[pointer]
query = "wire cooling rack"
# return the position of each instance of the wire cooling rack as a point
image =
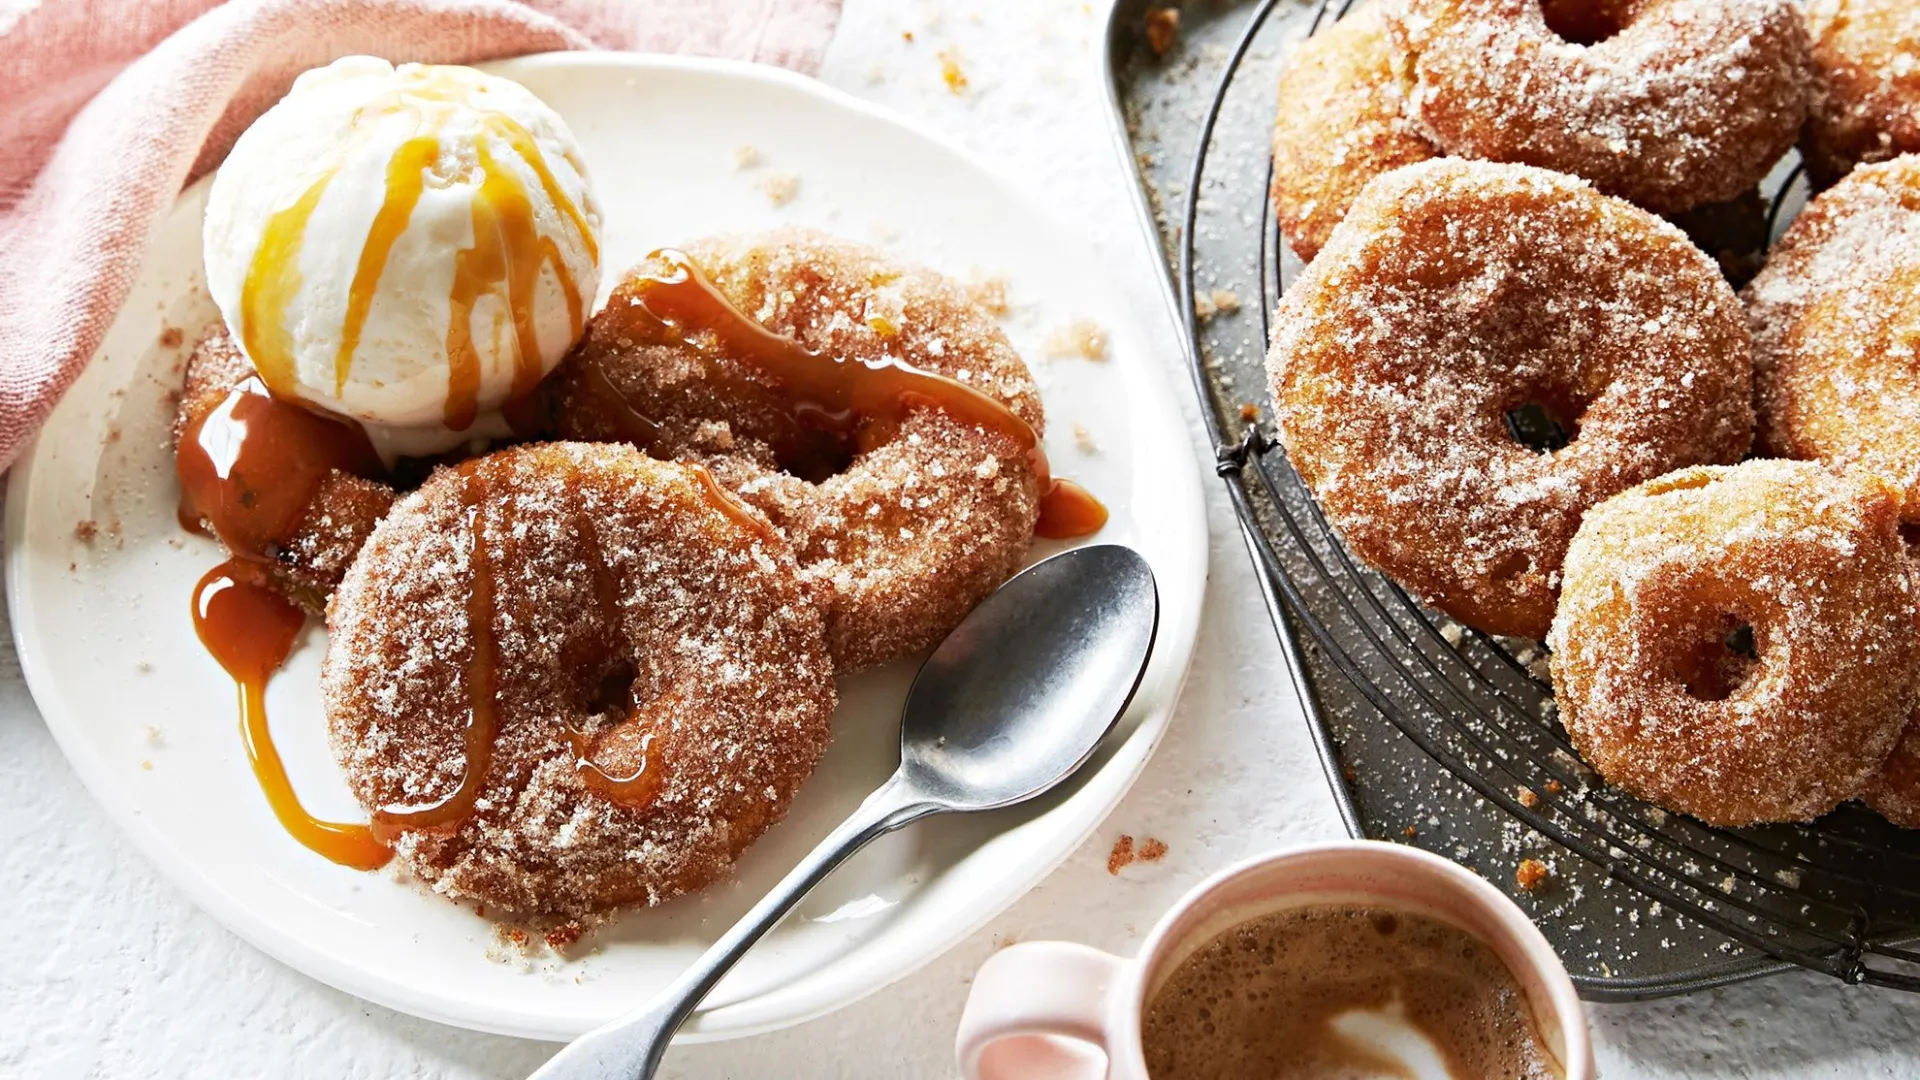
(1432, 733)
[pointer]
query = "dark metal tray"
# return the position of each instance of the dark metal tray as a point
(1430, 733)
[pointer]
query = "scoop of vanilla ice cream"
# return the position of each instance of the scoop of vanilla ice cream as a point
(407, 246)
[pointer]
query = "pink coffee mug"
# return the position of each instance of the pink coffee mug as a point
(1055, 1009)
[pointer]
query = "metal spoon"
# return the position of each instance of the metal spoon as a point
(1009, 705)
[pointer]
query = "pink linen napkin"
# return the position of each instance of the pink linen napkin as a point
(109, 107)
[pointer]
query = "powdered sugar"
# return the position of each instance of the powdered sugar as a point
(1456, 291)
(703, 658)
(1656, 580)
(1689, 102)
(917, 528)
(1837, 362)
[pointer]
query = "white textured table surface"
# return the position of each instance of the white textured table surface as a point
(106, 971)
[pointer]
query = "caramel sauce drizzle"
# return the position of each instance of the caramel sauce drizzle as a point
(406, 180)
(1068, 511)
(249, 628)
(730, 505)
(508, 253)
(250, 467)
(855, 400)
(273, 279)
(483, 686)
(640, 787)
(505, 262)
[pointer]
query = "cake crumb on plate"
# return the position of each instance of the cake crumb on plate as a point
(1081, 337)
(950, 72)
(780, 187)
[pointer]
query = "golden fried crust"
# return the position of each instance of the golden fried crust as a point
(1894, 791)
(1657, 579)
(1836, 329)
(1689, 102)
(1865, 100)
(343, 512)
(1341, 122)
(917, 530)
(698, 634)
(1456, 291)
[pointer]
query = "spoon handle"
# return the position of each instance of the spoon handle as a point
(630, 1047)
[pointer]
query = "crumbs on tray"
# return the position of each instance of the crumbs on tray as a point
(1215, 302)
(1163, 29)
(1531, 874)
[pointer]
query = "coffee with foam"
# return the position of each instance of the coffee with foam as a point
(1336, 991)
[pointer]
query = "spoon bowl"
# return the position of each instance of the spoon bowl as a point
(1019, 695)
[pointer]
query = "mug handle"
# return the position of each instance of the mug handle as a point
(1027, 992)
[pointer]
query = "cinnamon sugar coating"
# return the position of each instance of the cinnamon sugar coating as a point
(1456, 292)
(696, 652)
(1894, 791)
(1655, 683)
(917, 528)
(1865, 102)
(1674, 104)
(1342, 120)
(342, 513)
(1836, 328)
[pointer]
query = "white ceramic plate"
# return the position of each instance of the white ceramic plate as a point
(148, 719)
